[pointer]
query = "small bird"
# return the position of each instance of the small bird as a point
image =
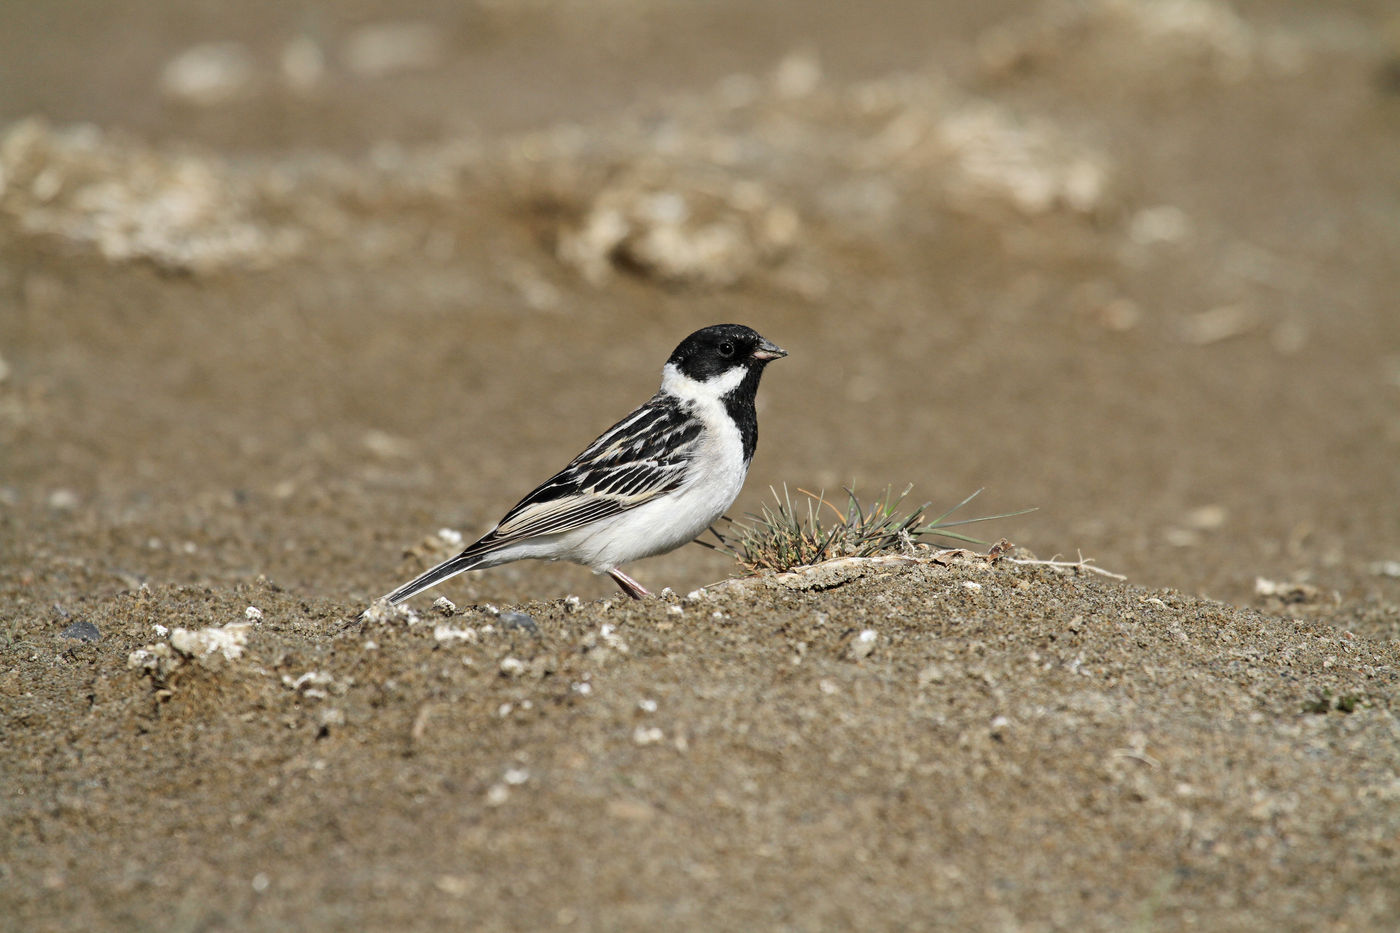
(652, 482)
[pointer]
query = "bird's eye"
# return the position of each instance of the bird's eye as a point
(726, 349)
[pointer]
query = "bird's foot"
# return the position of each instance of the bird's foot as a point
(629, 586)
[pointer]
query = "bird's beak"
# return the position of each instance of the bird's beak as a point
(767, 350)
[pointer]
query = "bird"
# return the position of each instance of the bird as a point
(650, 483)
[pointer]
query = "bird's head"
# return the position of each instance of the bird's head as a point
(721, 356)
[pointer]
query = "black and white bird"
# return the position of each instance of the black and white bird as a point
(652, 482)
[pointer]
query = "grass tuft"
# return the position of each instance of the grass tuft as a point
(783, 536)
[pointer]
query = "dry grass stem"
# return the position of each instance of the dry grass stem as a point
(783, 536)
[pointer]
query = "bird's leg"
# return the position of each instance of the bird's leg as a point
(629, 586)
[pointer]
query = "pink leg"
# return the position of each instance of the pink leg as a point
(629, 586)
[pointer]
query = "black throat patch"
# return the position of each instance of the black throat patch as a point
(739, 402)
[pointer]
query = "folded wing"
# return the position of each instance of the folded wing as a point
(646, 454)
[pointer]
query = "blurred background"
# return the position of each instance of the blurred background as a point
(286, 288)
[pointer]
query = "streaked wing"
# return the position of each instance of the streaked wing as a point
(641, 457)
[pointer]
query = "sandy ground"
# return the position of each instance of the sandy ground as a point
(275, 311)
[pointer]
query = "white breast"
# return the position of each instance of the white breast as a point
(713, 482)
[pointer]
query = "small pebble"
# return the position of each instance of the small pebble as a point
(82, 631)
(519, 620)
(647, 735)
(63, 500)
(863, 644)
(446, 633)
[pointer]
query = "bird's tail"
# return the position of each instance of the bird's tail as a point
(448, 568)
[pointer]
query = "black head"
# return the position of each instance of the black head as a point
(722, 363)
(714, 351)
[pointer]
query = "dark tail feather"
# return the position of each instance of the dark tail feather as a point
(448, 568)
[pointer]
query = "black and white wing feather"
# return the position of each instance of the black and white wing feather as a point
(645, 455)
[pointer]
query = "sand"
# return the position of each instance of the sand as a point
(282, 317)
